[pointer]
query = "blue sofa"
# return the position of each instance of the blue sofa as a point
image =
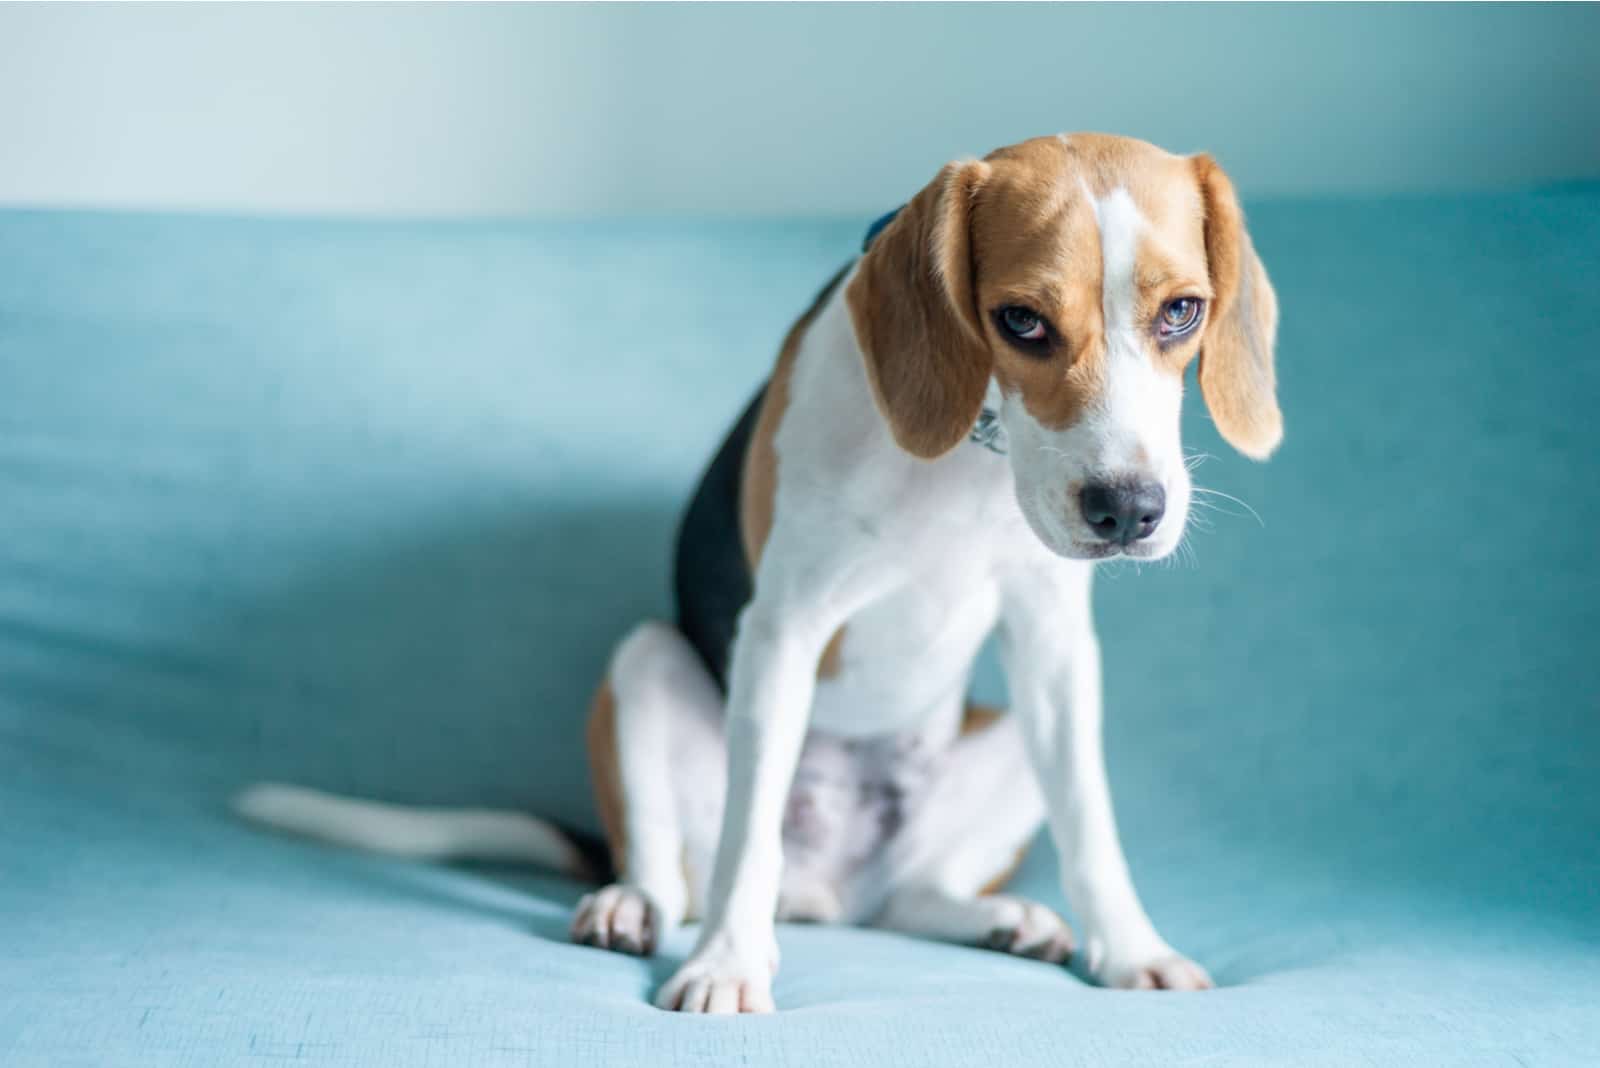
(364, 505)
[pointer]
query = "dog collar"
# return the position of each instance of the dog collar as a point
(987, 431)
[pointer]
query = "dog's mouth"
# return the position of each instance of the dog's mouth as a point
(1101, 550)
(1073, 545)
(1096, 550)
(1060, 537)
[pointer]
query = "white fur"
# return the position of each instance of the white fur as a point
(417, 833)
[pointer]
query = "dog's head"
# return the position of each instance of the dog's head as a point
(1080, 274)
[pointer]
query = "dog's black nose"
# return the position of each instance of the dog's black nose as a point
(1123, 512)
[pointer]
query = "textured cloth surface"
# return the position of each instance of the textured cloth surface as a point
(364, 505)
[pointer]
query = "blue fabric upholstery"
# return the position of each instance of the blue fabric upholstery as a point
(364, 505)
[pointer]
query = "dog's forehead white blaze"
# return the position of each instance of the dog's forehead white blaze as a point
(1119, 222)
(1135, 420)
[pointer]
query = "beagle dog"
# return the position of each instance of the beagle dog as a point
(964, 421)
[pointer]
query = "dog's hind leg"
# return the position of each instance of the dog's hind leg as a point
(659, 762)
(963, 842)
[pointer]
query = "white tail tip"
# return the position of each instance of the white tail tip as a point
(412, 832)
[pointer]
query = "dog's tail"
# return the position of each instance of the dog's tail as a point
(418, 833)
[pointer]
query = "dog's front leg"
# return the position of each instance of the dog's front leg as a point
(771, 681)
(1053, 665)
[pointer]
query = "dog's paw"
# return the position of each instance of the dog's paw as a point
(618, 917)
(1168, 970)
(720, 980)
(1027, 929)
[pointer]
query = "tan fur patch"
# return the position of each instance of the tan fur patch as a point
(1035, 244)
(759, 479)
(1237, 373)
(998, 883)
(832, 660)
(606, 773)
(976, 717)
(912, 306)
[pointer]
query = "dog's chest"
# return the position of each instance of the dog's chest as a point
(904, 660)
(939, 533)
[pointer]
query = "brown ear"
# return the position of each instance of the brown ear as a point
(914, 308)
(1236, 354)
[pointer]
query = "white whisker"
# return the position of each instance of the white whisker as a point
(1228, 497)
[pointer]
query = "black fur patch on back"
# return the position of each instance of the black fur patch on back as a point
(711, 578)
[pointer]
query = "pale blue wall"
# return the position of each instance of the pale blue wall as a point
(772, 109)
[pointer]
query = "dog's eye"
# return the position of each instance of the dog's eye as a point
(1022, 324)
(1179, 316)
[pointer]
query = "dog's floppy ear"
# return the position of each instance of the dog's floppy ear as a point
(914, 309)
(1236, 354)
